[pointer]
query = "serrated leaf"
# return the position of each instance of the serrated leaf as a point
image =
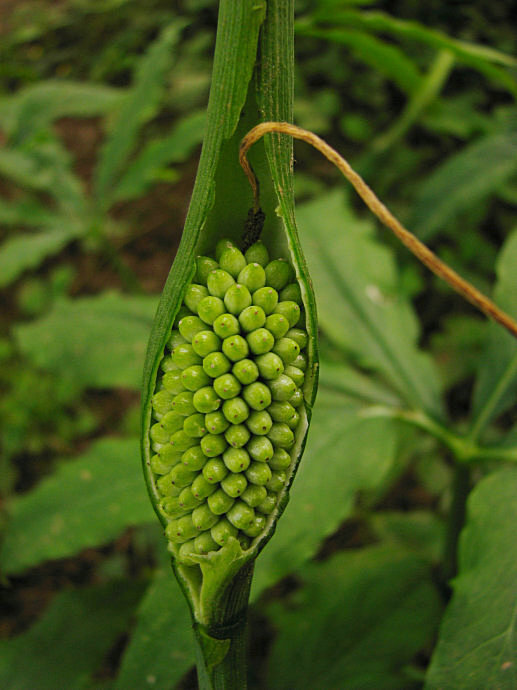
(24, 251)
(357, 622)
(86, 502)
(161, 648)
(38, 105)
(359, 307)
(345, 454)
(68, 644)
(476, 171)
(159, 153)
(138, 107)
(93, 341)
(496, 386)
(477, 643)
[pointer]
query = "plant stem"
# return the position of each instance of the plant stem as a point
(456, 519)
(221, 646)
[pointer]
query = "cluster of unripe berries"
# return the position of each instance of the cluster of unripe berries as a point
(228, 399)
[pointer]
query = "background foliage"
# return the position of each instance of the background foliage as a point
(101, 117)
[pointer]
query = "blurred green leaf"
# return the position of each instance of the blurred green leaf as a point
(485, 59)
(161, 648)
(359, 387)
(68, 644)
(384, 57)
(38, 105)
(150, 165)
(359, 306)
(357, 622)
(26, 212)
(24, 251)
(345, 454)
(93, 341)
(137, 108)
(472, 174)
(496, 386)
(86, 502)
(418, 531)
(476, 647)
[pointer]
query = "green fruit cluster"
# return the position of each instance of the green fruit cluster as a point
(228, 399)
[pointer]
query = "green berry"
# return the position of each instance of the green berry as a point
(172, 381)
(219, 502)
(293, 422)
(300, 362)
(280, 460)
(227, 386)
(216, 422)
(194, 458)
(205, 342)
(194, 377)
(277, 324)
(235, 410)
(167, 364)
(298, 336)
(254, 495)
(169, 455)
(278, 273)
(180, 476)
(222, 246)
(281, 435)
(213, 445)
(166, 487)
(252, 276)
(181, 441)
(235, 348)
(226, 325)
(241, 515)
(184, 356)
(216, 364)
(256, 528)
(267, 298)
(260, 341)
(194, 426)
(160, 466)
(201, 488)
(204, 265)
(237, 298)
(183, 403)
(172, 421)
(158, 434)
(297, 398)
(257, 253)
(287, 349)
(162, 402)
(259, 423)
(171, 508)
(295, 374)
(205, 400)
(203, 518)
(291, 293)
(290, 310)
(189, 326)
(246, 371)
(175, 339)
(209, 308)
(181, 530)
(258, 473)
(282, 388)
(237, 435)
(222, 531)
(277, 481)
(214, 470)
(204, 543)
(232, 260)
(260, 448)
(251, 318)
(218, 282)
(270, 366)
(236, 459)
(268, 504)
(234, 484)
(281, 411)
(257, 395)
(187, 500)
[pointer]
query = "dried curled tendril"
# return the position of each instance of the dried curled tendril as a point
(227, 400)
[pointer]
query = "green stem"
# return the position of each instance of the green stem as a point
(456, 519)
(221, 647)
